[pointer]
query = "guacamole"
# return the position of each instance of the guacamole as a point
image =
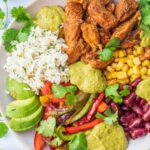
(143, 89)
(86, 78)
(50, 17)
(107, 137)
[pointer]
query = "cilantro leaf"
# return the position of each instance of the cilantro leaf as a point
(58, 90)
(100, 116)
(2, 14)
(112, 92)
(3, 129)
(125, 91)
(146, 20)
(8, 36)
(20, 14)
(71, 88)
(71, 99)
(114, 42)
(106, 54)
(47, 127)
(79, 142)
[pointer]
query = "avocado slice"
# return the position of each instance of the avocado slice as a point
(26, 123)
(17, 109)
(18, 90)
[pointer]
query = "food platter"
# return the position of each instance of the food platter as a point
(26, 138)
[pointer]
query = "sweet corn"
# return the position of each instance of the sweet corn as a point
(117, 60)
(136, 70)
(135, 53)
(116, 54)
(119, 66)
(144, 76)
(130, 56)
(130, 72)
(143, 71)
(121, 75)
(130, 63)
(121, 81)
(124, 59)
(114, 65)
(148, 72)
(111, 81)
(134, 77)
(136, 61)
(139, 50)
(125, 68)
(109, 76)
(122, 53)
(114, 74)
(145, 63)
(110, 69)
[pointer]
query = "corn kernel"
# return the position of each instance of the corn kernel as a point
(114, 75)
(122, 53)
(109, 76)
(130, 72)
(119, 66)
(145, 63)
(130, 56)
(148, 72)
(134, 77)
(130, 63)
(117, 60)
(136, 70)
(135, 53)
(123, 59)
(127, 81)
(139, 50)
(114, 65)
(121, 75)
(136, 61)
(116, 54)
(125, 68)
(111, 81)
(110, 69)
(121, 81)
(143, 71)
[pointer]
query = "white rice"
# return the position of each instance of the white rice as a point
(39, 59)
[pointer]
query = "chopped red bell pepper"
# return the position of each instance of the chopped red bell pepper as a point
(71, 130)
(46, 90)
(38, 142)
(65, 83)
(46, 112)
(102, 107)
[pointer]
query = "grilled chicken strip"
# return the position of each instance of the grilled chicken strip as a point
(84, 3)
(101, 15)
(123, 30)
(91, 35)
(125, 9)
(72, 31)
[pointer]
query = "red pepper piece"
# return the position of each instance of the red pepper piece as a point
(38, 142)
(65, 83)
(46, 90)
(71, 130)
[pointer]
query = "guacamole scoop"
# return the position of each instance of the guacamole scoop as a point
(107, 137)
(143, 89)
(50, 17)
(86, 78)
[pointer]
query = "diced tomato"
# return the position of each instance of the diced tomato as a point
(46, 90)
(38, 142)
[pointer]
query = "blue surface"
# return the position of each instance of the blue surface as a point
(9, 142)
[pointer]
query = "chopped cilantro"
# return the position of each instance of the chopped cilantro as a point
(79, 142)
(112, 92)
(3, 129)
(69, 91)
(114, 42)
(20, 14)
(47, 127)
(56, 142)
(106, 54)
(2, 16)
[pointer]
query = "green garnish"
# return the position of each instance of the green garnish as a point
(112, 92)
(69, 91)
(20, 14)
(8, 36)
(56, 142)
(47, 127)
(3, 129)
(2, 16)
(79, 142)
(106, 54)
(145, 16)
(109, 117)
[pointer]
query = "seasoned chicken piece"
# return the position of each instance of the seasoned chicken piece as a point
(132, 39)
(91, 35)
(92, 58)
(111, 7)
(104, 36)
(101, 15)
(72, 32)
(123, 30)
(125, 9)
(83, 2)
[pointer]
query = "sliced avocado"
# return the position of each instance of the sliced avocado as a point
(26, 123)
(19, 90)
(17, 109)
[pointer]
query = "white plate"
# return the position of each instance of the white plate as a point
(26, 138)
